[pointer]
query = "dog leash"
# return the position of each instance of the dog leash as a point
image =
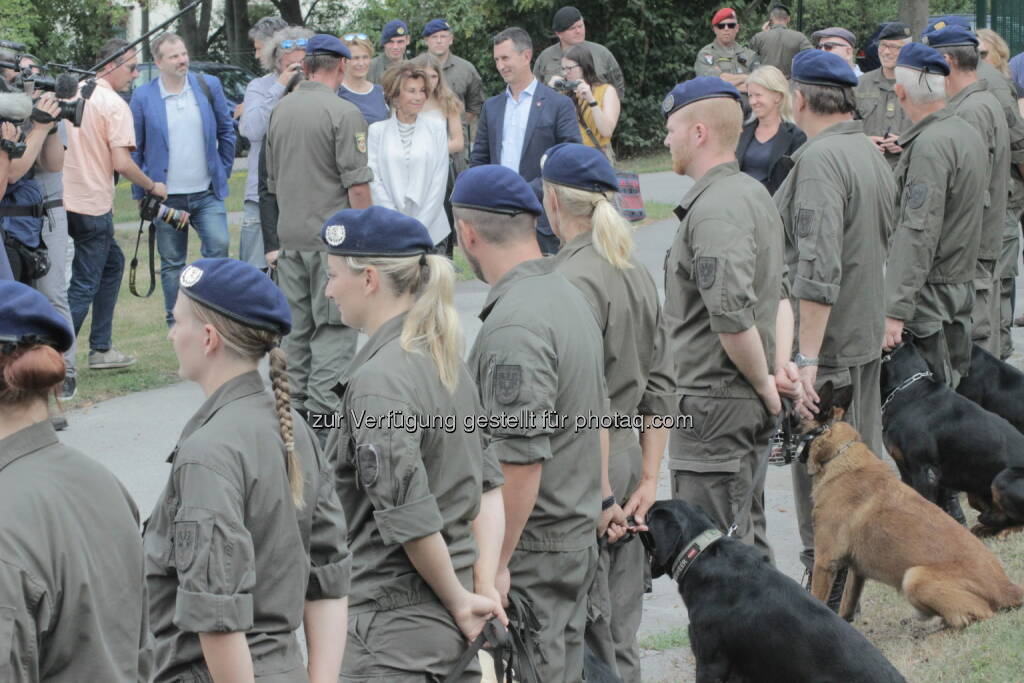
(493, 634)
(906, 383)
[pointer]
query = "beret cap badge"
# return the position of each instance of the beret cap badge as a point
(667, 103)
(190, 276)
(334, 234)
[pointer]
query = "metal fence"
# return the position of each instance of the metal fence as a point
(1005, 17)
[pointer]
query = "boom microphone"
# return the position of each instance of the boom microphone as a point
(13, 46)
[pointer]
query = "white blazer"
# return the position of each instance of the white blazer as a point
(415, 186)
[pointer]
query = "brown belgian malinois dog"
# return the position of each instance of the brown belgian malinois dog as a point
(868, 520)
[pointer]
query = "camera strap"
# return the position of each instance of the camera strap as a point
(135, 261)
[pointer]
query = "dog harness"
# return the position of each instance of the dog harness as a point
(906, 383)
(693, 551)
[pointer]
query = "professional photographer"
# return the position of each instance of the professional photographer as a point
(8, 135)
(597, 102)
(101, 146)
(54, 284)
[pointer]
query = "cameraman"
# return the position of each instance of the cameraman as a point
(9, 133)
(54, 284)
(597, 102)
(101, 146)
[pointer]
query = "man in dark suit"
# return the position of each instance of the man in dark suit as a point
(518, 126)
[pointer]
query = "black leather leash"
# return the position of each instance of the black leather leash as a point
(497, 637)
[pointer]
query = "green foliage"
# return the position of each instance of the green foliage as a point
(62, 30)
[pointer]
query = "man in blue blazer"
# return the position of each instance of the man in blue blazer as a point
(518, 126)
(184, 138)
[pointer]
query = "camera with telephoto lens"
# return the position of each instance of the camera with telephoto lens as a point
(151, 209)
(565, 87)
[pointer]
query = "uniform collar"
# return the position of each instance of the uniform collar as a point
(576, 245)
(246, 384)
(977, 86)
(26, 441)
(313, 85)
(916, 129)
(721, 171)
(387, 332)
(531, 268)
(841, 128)
(735, 47)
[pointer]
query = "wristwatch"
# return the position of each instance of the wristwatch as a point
(593, 104)
(803, 361)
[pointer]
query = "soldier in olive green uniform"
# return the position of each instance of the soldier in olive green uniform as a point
(970, 99)
(778, 44)
(72, 595)
(249, 528)
(598, 258)
(724, 57)
(571, 30)
(877, 105)
(929, 276)
(394, 39)
(837, 206)
(538, 357)
(411, 470)
(723, 286)
(316, 165)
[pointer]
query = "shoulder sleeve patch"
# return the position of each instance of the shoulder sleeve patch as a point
(917, 194)
(361, 142)
(186, 537)
(804, 221)
(368, 464)
(706, 269)
(507, 381)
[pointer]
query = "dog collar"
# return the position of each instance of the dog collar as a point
(693, 551)
(906, 383)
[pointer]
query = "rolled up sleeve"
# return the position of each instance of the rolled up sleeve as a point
(350, 148)
(725, 262)
(660, 396)
(213, 554)
(914, 244)
(818, 214)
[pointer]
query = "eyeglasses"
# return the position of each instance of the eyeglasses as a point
(289, 44)
(726, 24)
(567, 69)
(828, 47)
(890, 46)
(349, 37)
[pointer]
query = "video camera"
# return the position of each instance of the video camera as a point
(29, 81)
(152, 209)
(14, 109)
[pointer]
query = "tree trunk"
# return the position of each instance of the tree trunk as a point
(236, 24)
(914, 13)
(290, 11)
(146, 56)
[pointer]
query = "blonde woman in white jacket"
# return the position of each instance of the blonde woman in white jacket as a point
(409, 152)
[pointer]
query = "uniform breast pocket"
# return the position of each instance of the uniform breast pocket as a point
(866, 107)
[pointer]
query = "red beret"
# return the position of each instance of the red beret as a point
(723, 14)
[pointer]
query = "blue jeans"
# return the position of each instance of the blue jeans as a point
(95, 276)
(250, 244)
(210, 220)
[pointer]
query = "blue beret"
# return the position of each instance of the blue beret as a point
(579, 166)
(922, 58)
(700, 88)
(496, 189)
(951, 36)
(238, 290)
(323, 43)
(395, 27)
(435, 26)
(948, 20)
(28, 317)
(375, 231)
(818, 67)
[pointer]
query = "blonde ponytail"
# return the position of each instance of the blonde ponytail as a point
(432, 324)
(253, 343)
(612, 234)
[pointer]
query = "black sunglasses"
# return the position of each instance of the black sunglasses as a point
(726, 24)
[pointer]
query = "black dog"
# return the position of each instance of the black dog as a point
(996, 386)
(748, 621)
(941, 440)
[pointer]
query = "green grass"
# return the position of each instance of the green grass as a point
(126, 209)
(672, 639)
(647, 163)
(656, 211)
